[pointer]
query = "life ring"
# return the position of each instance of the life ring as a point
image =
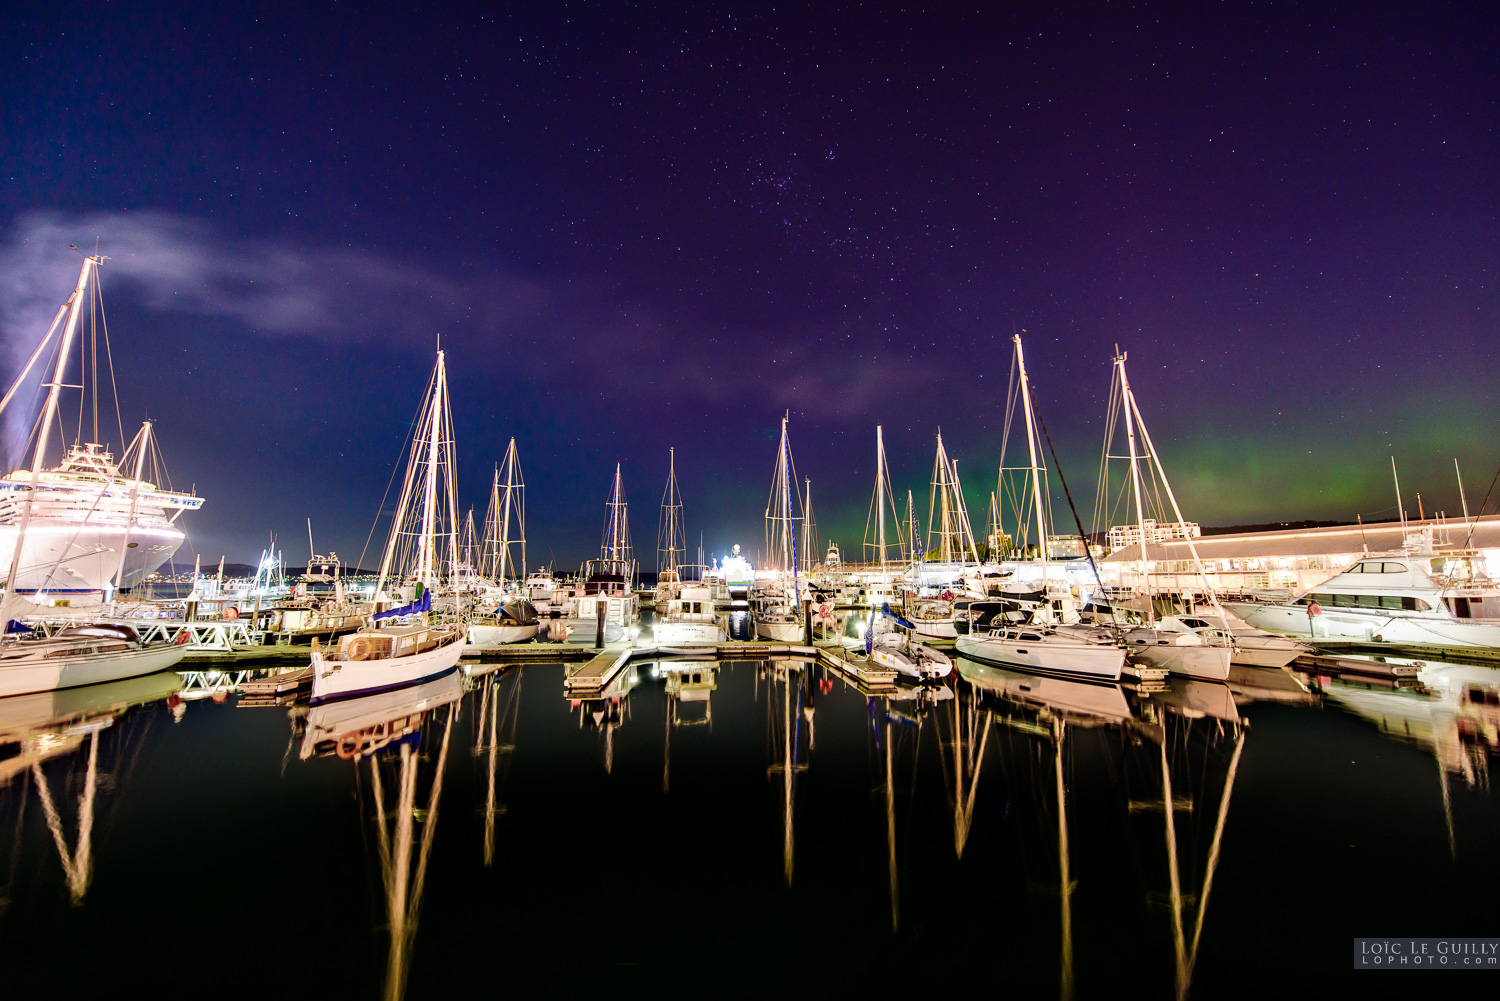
(359, 649)
(231, 613)
(349, 744)
(182, 638)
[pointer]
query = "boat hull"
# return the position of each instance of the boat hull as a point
(1171, 652)
(1375, 627)
(779, 632)
(1265, 651)
(337, 679)
(86, 556)
(490, 635)
(45, 675)
(938, 629)
(688, 633)
(1059, 656)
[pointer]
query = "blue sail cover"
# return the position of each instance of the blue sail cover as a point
(422, 604)
(885, 608)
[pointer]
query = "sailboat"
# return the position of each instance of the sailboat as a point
(950, 538)
(513, 619)
(875, 584)
(685, 610)
(507, 506)
(403, 647)
(1048, 642)
(1166, 642)
(778, 592)
(671, 539)
(81, 519)
(84, 527)
(608, 580)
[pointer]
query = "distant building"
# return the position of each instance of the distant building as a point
(1156, 532)
(1068, 547)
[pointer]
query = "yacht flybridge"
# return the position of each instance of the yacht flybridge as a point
(87, 525)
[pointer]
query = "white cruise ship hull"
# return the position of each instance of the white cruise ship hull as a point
(32, 672)
(86, 556)
(1057, 654)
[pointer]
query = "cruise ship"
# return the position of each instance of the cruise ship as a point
(84, 527)
(84, 515)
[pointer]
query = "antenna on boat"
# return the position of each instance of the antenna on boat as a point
(1462, 499)
(1399, 508)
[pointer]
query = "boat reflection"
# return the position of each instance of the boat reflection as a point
(48, 726)
(1450, 709)
(688, 683)
(789, 705)
(899, 718)
(1184, 719)
(494, 740)
(608, 708)
(387, 730)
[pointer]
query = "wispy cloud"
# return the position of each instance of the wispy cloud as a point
(586, 341)
(175, 264)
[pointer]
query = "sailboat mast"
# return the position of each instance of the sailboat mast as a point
(491, 552)
(144, 438)
(505, 514)
(911, 526)
(1208, 587)
(427, 549)
(1031, 445)
(1128, 402)
(880, 491)
(671, 542)
(50, 412)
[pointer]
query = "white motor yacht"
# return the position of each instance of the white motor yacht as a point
(1421, 598)
(689, 619)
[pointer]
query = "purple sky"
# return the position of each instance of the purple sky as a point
(636, 228)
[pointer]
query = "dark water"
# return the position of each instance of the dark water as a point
(786, 836)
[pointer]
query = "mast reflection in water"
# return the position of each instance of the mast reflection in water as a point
(751, 828)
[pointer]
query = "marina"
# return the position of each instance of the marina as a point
(1076, 568)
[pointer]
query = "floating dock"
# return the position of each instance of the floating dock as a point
(1312, 663)
(279, 683)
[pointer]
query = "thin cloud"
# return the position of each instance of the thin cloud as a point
(175, 264)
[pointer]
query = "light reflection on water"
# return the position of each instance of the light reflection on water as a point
(759, 826)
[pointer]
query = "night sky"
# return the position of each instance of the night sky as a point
(638, 227)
